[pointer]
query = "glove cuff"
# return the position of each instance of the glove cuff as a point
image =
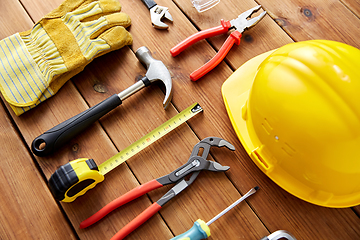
(44, 53)
(21, 80)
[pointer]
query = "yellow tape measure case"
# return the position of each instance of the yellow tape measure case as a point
(74, 179)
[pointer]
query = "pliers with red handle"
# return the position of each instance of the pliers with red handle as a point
(196, 163)
(239, 24)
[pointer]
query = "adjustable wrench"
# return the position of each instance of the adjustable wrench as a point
(157, 13)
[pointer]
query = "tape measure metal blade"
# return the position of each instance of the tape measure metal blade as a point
(149, 138)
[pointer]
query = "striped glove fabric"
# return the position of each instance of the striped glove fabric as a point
(35, 64)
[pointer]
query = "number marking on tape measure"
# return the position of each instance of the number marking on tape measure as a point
(149, 138)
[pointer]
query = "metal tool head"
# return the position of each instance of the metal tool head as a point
(280, 234)
(198, 158)
(205, 145)
(156, 71)
(217, 167)
(178, 188)
(157, 13)
(242, 22)
(197, 161)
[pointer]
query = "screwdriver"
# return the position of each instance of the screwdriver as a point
(200, 229)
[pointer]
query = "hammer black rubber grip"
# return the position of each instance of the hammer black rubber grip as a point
(57, 136)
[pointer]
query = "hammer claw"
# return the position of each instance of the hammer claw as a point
(156, 71)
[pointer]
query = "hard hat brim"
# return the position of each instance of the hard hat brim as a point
(235, 91)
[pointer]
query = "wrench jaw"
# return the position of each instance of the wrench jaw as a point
(202, 148)
(157, 13)
(217, 142)
(217, 167)
(197, 162)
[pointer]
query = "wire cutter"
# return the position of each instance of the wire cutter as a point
(240, 24)
(196, 163)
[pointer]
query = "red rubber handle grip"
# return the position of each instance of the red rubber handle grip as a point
(127, 197)
(225, 48)
(211, 32)
(136, 222)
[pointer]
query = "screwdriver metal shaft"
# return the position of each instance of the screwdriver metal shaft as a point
(249, 193)
(201, 230)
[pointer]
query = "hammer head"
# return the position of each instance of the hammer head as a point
(156, 70)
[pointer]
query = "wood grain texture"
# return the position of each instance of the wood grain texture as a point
(353, 5)
(13, 23)
(305, 20)
(28, 210)
(268, 210)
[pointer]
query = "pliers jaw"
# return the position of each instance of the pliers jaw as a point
(179, 187)
(209, 142)
(197, 161)
(241, 23)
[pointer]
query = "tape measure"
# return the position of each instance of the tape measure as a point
(78, 176)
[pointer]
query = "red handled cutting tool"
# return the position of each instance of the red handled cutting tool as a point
(240, 24)
(196, 163)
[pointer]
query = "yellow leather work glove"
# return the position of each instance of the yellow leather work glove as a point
(35, 64)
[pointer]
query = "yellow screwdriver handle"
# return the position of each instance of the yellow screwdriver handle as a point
(74, 179)
(200, 230)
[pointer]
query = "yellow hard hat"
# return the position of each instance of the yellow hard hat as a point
(296, 111)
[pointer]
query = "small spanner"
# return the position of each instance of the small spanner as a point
(157, 13)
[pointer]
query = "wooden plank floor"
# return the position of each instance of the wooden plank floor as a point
(28, 211)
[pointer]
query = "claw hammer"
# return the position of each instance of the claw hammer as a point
(57, 136)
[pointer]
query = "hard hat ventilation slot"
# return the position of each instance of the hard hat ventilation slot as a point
(261, 160)
(267, 127)
(288, 149)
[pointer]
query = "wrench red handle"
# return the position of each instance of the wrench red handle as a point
(136, 222)
(234, 37)
(211, 32)
(127, 197)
